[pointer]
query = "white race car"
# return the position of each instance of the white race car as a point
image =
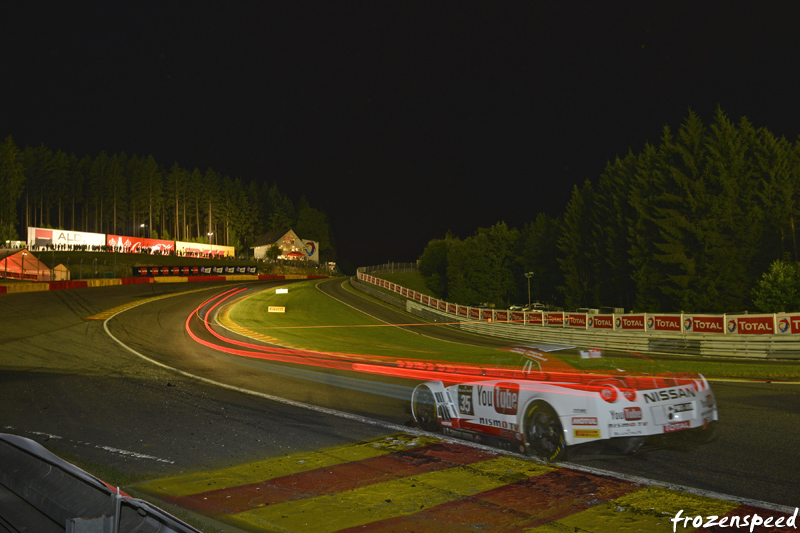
(544, 413)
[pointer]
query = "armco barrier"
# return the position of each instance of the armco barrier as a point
(749, 336)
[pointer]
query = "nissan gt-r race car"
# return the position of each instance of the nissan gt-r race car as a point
(545, 413)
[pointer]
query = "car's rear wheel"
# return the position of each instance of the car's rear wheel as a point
(423, 406)
(544, 433)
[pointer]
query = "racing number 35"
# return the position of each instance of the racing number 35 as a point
(465, 400)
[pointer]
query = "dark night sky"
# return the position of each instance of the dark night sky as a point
(401, 120)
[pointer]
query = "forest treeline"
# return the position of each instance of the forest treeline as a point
(132, 195)
(691, 224)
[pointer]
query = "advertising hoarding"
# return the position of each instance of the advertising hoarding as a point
(601, 321)
(788, 324)
(704, 324)
(534, 318)
(310, 250)
(751, 324)
(576, 320)
(48, 239)
(631, 322)
(135, 245)
(664, 323)
(198, 249)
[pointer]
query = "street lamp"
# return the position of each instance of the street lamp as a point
(210, 236)
(529, 275)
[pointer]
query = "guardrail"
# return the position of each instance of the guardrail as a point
(391, 268)
(749, 336)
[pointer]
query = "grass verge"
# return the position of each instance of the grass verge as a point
(314, 321)
(409, 280)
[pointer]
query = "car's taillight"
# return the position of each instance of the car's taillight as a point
(629, 394)
(609, 394)
(710, 401)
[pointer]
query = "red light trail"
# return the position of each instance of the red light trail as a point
(416, 370)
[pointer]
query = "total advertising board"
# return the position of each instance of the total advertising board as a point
(534, 319)
(664, 322)
(311, 250)
(604, 322)
(631, 322)
(575, 320)
(554, 319)
(787, 324)
(704, 323)
(750, 324)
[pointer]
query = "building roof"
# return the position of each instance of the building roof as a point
(13, 259)
(270, 238)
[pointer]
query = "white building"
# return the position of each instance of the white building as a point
(292, 247)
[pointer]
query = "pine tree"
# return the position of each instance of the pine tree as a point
(540, 255)
(433, 265)
(575, 245)
(469, 271)
(312, 224)
(612, 219)
(12, 183)
(643, 232)
(731, 225)
(778, 290)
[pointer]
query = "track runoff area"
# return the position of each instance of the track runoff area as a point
(414, 481)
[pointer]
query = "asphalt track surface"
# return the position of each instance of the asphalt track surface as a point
(67, 384)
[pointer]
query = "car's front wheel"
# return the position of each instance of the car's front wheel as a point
(544, 433)
(423, 406)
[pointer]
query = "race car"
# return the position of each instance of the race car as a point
(545, 413)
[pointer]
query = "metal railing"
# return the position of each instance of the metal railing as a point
(666, 343)
(391, 268)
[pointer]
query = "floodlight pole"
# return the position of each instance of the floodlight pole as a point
(529, 275)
